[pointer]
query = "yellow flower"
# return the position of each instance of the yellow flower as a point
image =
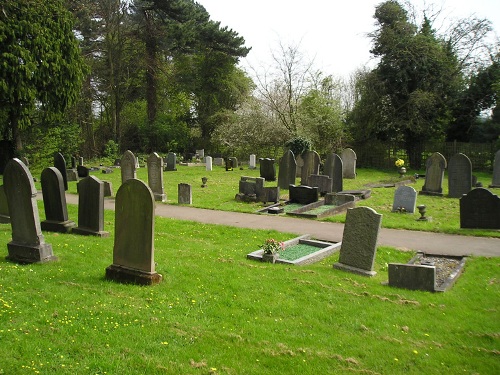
(399, 163)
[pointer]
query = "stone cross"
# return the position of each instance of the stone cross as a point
(155, 176)
(459, 176)
(127, 165)
(434, 175)
(91, 208)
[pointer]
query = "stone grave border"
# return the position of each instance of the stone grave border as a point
(303, 211)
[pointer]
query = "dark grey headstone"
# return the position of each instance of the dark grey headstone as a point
(496, 171)
(184, 194)
(287, 170)
(333, 168)
(412, 276)
(54, 202)
(322, 182)
(235, 161)
(60, 164)
(229, 164)
(4, 207)
(155, 177)
(82, 171)
(459, 176)
(28, 243)
(349, 163)
(73, 162)
(127, 165)
(405, 199)
(108, 188)
(359, 241)
(171, 162)
(267, 169)
(434, 174)
(480, 208)
(91, 208)
(311, 166)
(303, 194)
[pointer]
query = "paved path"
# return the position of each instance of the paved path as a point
(431, 243)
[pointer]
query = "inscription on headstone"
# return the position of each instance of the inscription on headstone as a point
(459, 176)
(405, 199)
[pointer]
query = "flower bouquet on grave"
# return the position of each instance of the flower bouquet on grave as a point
(401, 169)
(272, 249)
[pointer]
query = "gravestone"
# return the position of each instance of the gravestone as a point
(412, 276)
(60, 164)
(6, 153)
(127, 165)
(208, 163)
(108, 188)
(137, 165)
(251, 189)
(311, 166)
(73, 162)
(348, 157)
(287, 170)
(200, 154)
(28, 243)
(480, 208)
(229, 164)
(267, 169)
(155, 177)
(219, 162)
(405, 199)
(54, 202)
(25, 160)
(4, 207)
(496, 171)
(133, 250)
(71, 175)
(333, 169)
(252, 164)
(82, 171)
(80, 161)
(359, 241)
(171, 162)
(300, 163)
(434, 174)
(303, 194)
(235, 161)
(459, 176)
(91, 208)
(185, 194)
(322, 182)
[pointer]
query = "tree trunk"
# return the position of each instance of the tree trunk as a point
(16, 135)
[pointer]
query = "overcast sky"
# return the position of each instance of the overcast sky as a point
(333, 33)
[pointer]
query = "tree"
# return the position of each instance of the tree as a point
(42, 68)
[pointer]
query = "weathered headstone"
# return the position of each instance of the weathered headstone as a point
(405, 199)
(229, 164)
(60, 164)
(311, 166)
(171, 162)
(234, 160)
(108, 188)
(155, 177)
(299, 159)
(480, 208)
(434, 174)
(91, 208)
(54, 202)
(412, 276)
(496, 171)
(253, 162)
(459, 176)
(133, 250)
(73, 162)
(303, 194)
(208, 163)
(127, 166)
(184, 194)
(82, 171)
(322, 182)
(71, 175)
(200, 154)
(28, 243)
(359, 241)
(80, 161)
(267, 169)
(287, 170)
(348, 157)
(333, 168)
(4, 207)
(219, 162)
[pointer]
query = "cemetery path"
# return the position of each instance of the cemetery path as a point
(428, 242)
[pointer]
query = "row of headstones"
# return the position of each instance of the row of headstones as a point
(133, 250)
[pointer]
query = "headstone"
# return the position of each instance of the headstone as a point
(133, 250)
(405, 200)
(82, 171)
(219, 162)
(359, 241)
(127, 165)
(71, 175)
(73, 162)
(299, 159)
(229, 164)
(348, 157)
(235, 161)
(107, 171)
(28, 243)
(184, 194)
(200, 154)
(137, 165)
(208, 163)
(24, 159)
(60, 164)
(80, 160)
(412, 276)
(252, 164)
(322, 182)
(287, 170)
(480, 208)
(4, 207)
(117, 162)
(311, 166)
(333, 168)
(155, 177)
(303, 194)
(496, 171)
(267, 169)
(108, 188)
(251, 189)
(434, 174)
(459, 176)
(91, 208)
(54, 202)
(6, 153)
(171, 162)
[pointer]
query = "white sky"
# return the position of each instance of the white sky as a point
(332, 32)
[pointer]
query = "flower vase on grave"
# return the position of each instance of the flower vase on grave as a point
(270, 257)
(402, 172)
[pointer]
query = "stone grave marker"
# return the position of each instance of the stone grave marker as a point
(333, 169)
(60, 164)
(171, 162)
(219, 162)
(235, 161)
(127, 165)
(303, 194)
(28, 243)
(496, 171)
(54, 202)
(229, 164)
(4, 207)
(412, 276)
(155, 176)
(348, 157)
(91, 208)
(299, 160)
(133, 250)
(25, 160)
(73, 162)
(434, 174)
(359, 241)
(322, 182)
(137, 165)
(208, 163)
(200, 154)
(311, 166)
(108, 188)
(287, 170)
(253, 162)
(459, 176)
(82, 171)
(184, 193)
(267, 169)
(480, 208)
(405, 199)
(80, 161)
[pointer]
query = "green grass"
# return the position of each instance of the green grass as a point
(298, 251)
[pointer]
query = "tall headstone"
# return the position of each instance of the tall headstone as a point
(434, 175)
(127, 166)
(459, 176)
(54, 202)
(333, 169)
(348, 163)
(287, 170)
(359, 241)
(267, 169)
(480, 208)
(73, 162)
(28, 243)
(60, 164)
(155, 177)
(80, 161)
(171, 162)
(234, 160)
(133, 250)
(405, 199)
(208, 163)
(91, 208)
(253, 162)
(4, 207)
(311, 166)
(496, 171)
(184, 194)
